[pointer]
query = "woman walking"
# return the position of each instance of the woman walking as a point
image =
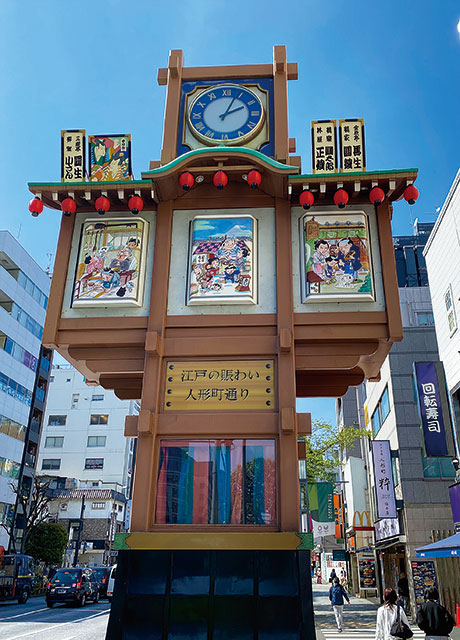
(387, 614)
(433, 618)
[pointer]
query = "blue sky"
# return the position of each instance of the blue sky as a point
(93, 65)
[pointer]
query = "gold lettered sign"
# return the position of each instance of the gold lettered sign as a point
(324, 146)
(220, 385)
(352, 145)
(73, 155)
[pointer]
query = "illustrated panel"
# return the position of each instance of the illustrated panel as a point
(111, 263)
(110, 157)
(222, 260)
(336, 260)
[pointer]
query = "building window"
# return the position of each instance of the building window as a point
(94, 463)
(53, 441)
(97, 398)
(11, 428)
(99, 418)
(75, 399)
(450, 309)
(9, 468)
(57, 421)
(120, 508)
(98, 505)
(15, 390)
(17, 352)
(51, 464)
(381, 411)
(437, 467)
(68, 379)
(424, 318)
(96, 441)
(51, 378)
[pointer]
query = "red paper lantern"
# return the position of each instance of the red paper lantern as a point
(220, 179)
(102, 205)
(377, 196)
(306, 199)
(68, 206)
(35, 206)
(135, 204)
(411, 194)
(341, 198)
(186, 180)
(254, 179)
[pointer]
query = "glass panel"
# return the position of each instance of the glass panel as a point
(430, 467)
(216, 482)
(447, 468)
(385, 404)
(376, 421)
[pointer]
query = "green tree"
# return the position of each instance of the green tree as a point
(325, 447)
(47, 542)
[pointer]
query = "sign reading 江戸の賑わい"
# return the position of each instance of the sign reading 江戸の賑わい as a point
(220, 385)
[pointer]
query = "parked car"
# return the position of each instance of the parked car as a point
(102, 575)
(73, 586)
(16, 577)
(111, 583)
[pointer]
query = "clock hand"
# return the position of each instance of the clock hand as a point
(222, 115)
(234, 110)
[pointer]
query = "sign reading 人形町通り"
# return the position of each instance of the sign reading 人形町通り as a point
(383, 475)
(434, 419)
(73, 155)
(352, 146)
(110, 158)
(324, 146)
(220, 385)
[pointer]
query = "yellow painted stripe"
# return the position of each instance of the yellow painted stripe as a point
(176, 541)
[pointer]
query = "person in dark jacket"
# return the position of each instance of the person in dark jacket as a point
(332, 576)
(336, 595)
(434, 619)
(403, 591)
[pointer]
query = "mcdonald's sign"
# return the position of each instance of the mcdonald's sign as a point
(360, 516)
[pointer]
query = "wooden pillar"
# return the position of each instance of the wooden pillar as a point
(280, 79)
(175, 64)
(144, 479)
(288, 499)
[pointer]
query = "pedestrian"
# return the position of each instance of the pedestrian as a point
(403, 591)
(318, 576)
(387, 614)
(336, 595)
(433, 618)
(332, 576)
(343, 578)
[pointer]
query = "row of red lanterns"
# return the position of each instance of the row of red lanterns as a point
(341, 197)
(102, 205)
(219, 179)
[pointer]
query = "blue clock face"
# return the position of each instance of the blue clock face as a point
(226, 114)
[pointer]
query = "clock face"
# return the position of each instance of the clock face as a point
(226, 114)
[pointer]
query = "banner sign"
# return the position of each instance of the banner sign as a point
(338, 516)
(386, 528)
(321, 505)
(454, 492)
(430, 407)
(383, 474)
(73, 166)
(367, 574)
(324, 146)
(424, 574)
(352, 147)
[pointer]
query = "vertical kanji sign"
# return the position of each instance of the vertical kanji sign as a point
(352, 145)
(73, 155)
(383, 475)
(324, 146)
(431, 410)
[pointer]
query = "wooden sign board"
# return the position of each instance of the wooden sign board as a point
(352, 145)
(73, 167)
(324, 146)
(220, 385)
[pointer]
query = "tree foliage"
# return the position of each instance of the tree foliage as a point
(325, 447)
(47, 542)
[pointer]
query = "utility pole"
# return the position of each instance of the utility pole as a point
(80, 527)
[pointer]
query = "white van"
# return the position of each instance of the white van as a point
(111, 583)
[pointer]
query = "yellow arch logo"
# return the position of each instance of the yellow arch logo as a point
(360, 516)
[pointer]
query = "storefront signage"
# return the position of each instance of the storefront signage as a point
(386, 528)
(424, 575)
(364, 521)
(73, 155)
(454, 492)
(430, 407)
(324, 146)
(338, 516)
(383, 475)
(352, 146)
(367, 574)
(220, 385)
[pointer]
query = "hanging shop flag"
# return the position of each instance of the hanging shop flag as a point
(454, 492)
(73, 166)
(321, 505)
(434, 408)
(338, 516)
(110, 158)
(383, 475)
(352, 145)
(324, 146)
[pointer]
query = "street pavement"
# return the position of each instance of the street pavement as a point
(34, 621)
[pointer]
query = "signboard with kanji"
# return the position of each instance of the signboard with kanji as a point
(384, 485)
(352, 146)
(225, 385)
(73, 167)
(324, 146)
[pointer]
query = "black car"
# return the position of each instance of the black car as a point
(102, 575)
(74, 586)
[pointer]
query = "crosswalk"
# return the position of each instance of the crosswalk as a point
(361, 634)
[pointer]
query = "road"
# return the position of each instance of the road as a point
(34, 621)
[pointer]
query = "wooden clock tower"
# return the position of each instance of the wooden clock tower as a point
(216, 304)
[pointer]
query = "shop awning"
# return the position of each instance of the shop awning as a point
(447, 548)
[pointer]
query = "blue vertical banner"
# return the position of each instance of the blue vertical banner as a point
(431, 409)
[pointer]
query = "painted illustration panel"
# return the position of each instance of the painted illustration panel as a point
(336, 262)
(110, 266)
(222, 260)
(110, 158)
